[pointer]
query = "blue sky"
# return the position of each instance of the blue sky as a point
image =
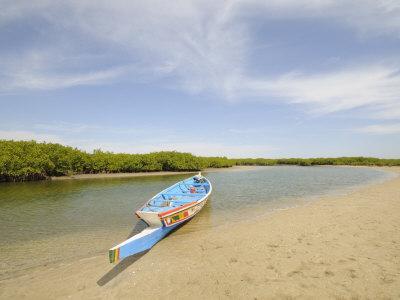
(235, 78)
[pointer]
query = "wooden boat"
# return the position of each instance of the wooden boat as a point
(167, 210)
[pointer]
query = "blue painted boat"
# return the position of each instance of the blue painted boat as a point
(167, 210)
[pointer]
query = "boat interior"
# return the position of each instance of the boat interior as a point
(181, 193)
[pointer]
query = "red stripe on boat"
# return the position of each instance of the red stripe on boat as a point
(175, 209)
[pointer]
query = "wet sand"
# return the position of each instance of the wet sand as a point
(345, 247)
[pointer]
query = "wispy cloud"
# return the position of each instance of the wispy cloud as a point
(241, 131)
(76, 129)
(372, 86)
(29, 135)
(66, 127)
(200, 46)
(202, 149)
(36, 71)
(145, 146)
(393, 128)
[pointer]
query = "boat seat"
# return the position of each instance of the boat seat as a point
(179, 194)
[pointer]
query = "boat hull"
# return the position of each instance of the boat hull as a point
(150, 236)
(139, 243)
(160, 224)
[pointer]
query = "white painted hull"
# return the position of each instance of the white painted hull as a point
(174, 216)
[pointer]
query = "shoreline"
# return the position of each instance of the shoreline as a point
(118, 175)
(145, 174)
(209, 170)
(339, 246)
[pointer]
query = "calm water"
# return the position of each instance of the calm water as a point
(47, 222)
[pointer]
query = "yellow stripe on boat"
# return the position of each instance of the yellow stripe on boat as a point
(177, 217)
(113, 255)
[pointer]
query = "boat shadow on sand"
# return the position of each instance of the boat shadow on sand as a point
(125, 263)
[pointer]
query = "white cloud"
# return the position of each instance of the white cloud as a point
(202, 149)
(381, 129)
(81, 129)
(28, 135)
(387, 111)
(66, 127)
(145, 146)
(147, 140)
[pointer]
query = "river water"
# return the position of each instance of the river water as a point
(50, 222)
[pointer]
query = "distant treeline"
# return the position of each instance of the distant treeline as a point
(350, 161)
(29, 160)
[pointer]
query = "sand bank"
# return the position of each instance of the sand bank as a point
(144, 174)
(338, 247)
(118, 175)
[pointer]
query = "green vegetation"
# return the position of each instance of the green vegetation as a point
(21, 160)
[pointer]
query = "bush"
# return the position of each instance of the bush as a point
(21, 160)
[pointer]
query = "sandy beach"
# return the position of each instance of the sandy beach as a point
(345, 247)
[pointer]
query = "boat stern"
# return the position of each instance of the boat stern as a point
(151, 218)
